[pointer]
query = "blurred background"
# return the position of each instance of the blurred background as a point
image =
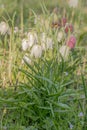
(11, 7)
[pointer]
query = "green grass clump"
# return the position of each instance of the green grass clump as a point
(52, 96)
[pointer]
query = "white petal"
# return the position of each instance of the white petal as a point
(73, 3)
(27, 59)
(36, 51)
(16, 29)
(64, 51)
(4, 28)
(32, 39)
(25, 45)
(60, 36)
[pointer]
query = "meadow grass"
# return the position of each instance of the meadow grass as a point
(50, 93)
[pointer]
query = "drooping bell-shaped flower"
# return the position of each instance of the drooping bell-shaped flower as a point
(32, 39)
(64, 51)
(25, 44)
(26, 59)
(71, 42)
(4, 28)
(73, 3)
(36, 51)
(60, 36)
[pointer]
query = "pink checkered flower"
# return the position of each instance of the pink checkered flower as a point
(71, 42)
(69, 27)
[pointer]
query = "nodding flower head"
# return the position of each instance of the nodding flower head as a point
(32, 38)
(71, 42)
(60, 36)
(36, 51)
(25, 44)
(4, 28)
(69, 27)
(26, 59)
(64, 51)
(73, 3)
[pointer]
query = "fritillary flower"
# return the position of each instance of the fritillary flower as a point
(36, 51)
(26, 59)
(69, 27)
(25, 44)
(71, 42)
(60, 36)
(73, 3)
(4, 28)
(32, 38)
(64, 51)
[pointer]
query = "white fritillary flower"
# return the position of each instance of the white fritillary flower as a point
(16, 30)
(73, 3)
(36, 51)
(64, 51)
(4, 28)
(60, 36)
(26, 59)
(25, 44)
(32, 38)
(49, 43)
